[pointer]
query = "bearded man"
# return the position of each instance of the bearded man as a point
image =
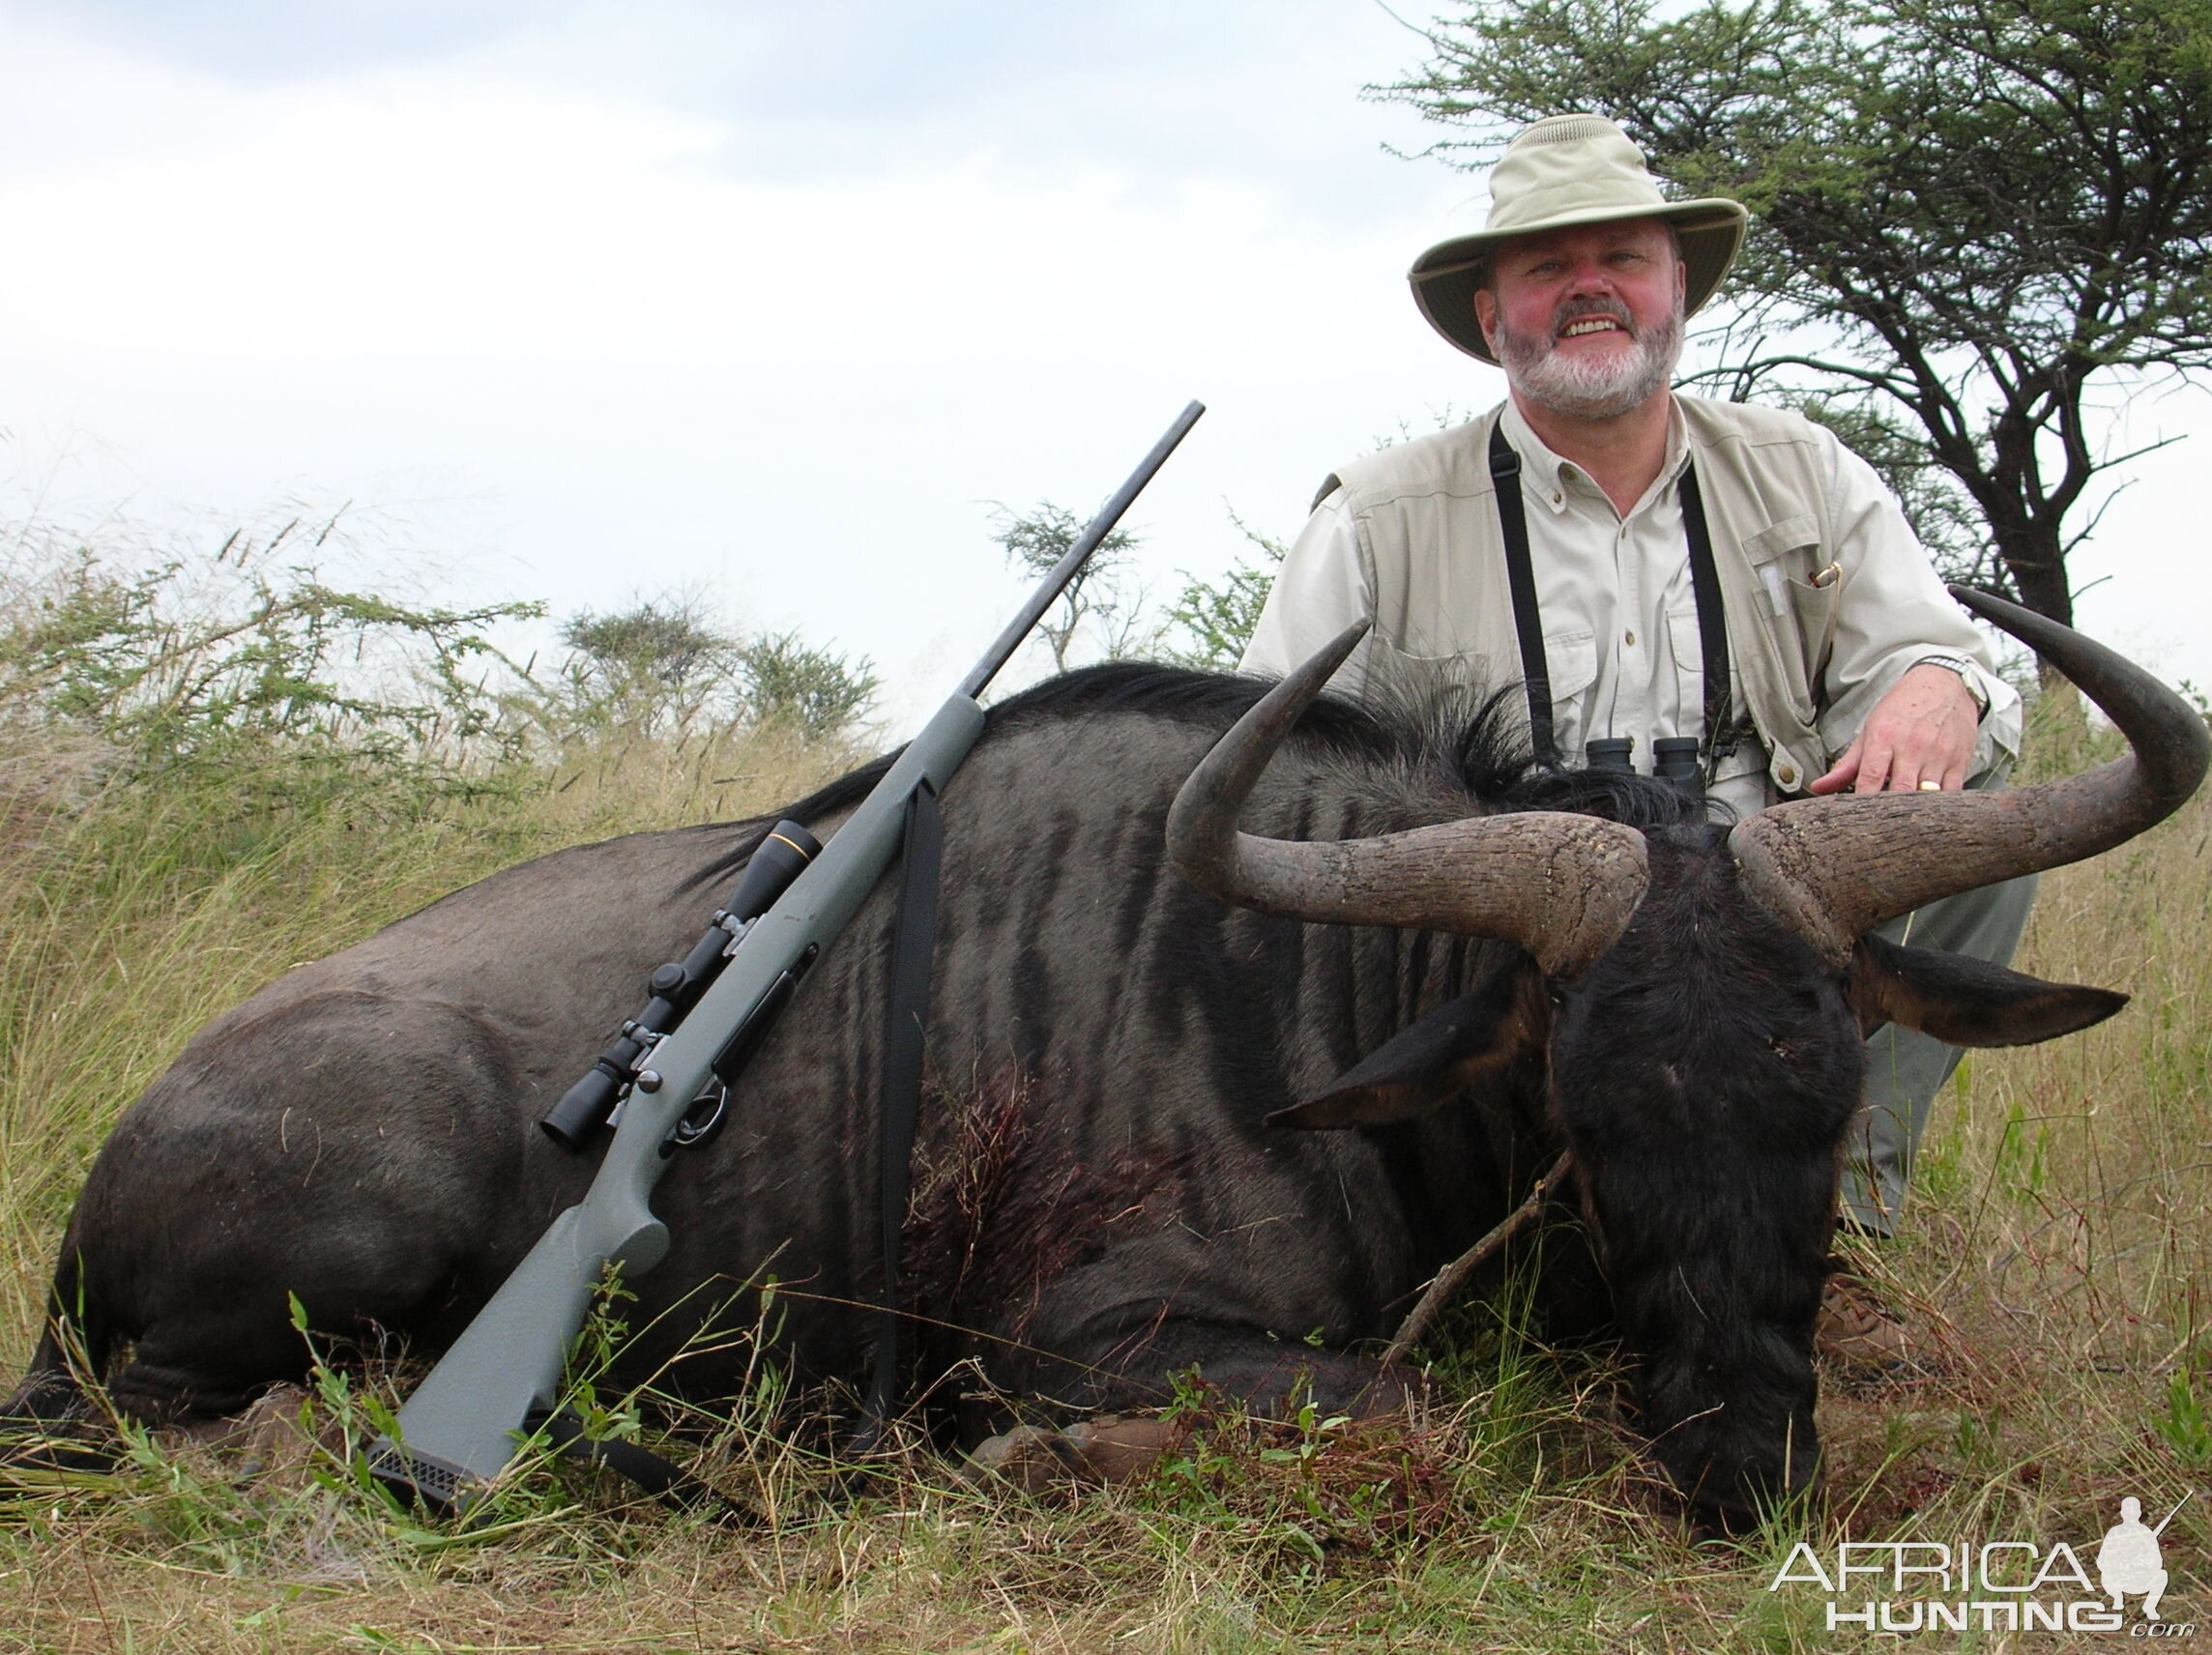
(1725, 588)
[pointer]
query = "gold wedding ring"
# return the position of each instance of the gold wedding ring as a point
(1930, 786)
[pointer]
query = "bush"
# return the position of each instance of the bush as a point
(1209, 625)
(663, 669)
(816, 691)
(165, 668)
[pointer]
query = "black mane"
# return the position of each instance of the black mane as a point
(1477, 741)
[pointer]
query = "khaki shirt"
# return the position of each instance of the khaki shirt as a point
(1409, 536)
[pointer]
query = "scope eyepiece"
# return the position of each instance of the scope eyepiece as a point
(583, 1108)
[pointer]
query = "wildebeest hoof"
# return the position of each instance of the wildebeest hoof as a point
(274, 1446)
(1107, 1450)
(268, 1443)
(1119, 1450)
(39, 1447)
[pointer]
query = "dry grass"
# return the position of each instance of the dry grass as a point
(129, 915)
(2057, 1257)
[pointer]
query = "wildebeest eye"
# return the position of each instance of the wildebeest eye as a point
(1782, 1051)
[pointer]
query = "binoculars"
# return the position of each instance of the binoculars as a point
(1673, 759)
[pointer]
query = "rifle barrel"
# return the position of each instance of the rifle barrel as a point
(1008, 641)
(457, 1432)
(2176, 1511)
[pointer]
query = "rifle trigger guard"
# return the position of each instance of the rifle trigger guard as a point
(701, 1125)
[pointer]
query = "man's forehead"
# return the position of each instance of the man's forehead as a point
(1617, 233)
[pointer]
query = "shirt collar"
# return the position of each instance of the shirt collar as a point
(1548, 477)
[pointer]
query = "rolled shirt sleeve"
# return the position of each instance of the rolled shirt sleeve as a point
(1894, 614)
(1325, 585)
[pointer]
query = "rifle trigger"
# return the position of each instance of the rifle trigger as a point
(697, 1129)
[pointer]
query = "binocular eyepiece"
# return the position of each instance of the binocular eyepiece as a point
(676, 987)
(1675, 759)
(1609, 753)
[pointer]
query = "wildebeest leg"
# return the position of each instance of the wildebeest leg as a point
(1137, 1375)
(1254, 1369)
(47, 1421)
(1905, 1069)
(317, 1155)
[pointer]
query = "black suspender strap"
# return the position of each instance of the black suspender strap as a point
(904, 1017)
(1720, 734)
(1712, 621)
(1521, 576)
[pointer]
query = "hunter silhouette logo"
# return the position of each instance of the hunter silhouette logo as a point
(2129, 1562)
(1998, 1585)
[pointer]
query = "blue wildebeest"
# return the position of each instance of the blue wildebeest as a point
(1442, 963)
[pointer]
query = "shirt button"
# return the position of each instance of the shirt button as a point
(1632, 640)
(1785, 774)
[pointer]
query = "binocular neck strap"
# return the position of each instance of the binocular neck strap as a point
(1528, 626)
(1521, 576)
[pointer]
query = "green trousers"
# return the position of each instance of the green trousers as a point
(1905, 1069)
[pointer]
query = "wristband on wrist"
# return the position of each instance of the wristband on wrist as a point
(1964, 668)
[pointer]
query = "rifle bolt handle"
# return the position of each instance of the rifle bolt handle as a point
(648, 1079)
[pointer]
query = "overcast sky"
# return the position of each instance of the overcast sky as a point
(773, 297)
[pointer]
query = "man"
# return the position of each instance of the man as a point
(1661, 568)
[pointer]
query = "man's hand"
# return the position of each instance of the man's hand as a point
(1921, 733)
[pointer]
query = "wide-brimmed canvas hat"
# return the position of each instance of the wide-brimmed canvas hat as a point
(1562, 171)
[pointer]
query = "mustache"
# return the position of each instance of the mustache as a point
(1573, 310)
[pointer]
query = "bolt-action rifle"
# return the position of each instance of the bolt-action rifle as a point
(665, 1081)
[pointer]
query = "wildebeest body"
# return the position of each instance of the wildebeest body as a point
(362, 1132)
(1103, 1199)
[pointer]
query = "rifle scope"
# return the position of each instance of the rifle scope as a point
(676, 987)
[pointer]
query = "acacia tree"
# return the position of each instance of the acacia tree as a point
(665, 664)
(1103, 596)
(1977, 223)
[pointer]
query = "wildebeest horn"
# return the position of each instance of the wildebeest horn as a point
(1562, 886)
(1834, 868)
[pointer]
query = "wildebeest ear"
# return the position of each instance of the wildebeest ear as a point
(1436, 1059)
(1967, 1002)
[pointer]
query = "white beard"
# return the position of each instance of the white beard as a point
(1578, 387)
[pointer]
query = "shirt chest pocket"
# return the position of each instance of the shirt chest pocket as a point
(1687, 639)
(1426, 671)
(1799, 596)
(1570, 660)
(1570, 664)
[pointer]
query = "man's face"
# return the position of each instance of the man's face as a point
(1587, 322)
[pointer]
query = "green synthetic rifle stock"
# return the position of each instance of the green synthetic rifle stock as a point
(461, 1427)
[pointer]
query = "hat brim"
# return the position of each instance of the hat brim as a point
(1445, 278)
